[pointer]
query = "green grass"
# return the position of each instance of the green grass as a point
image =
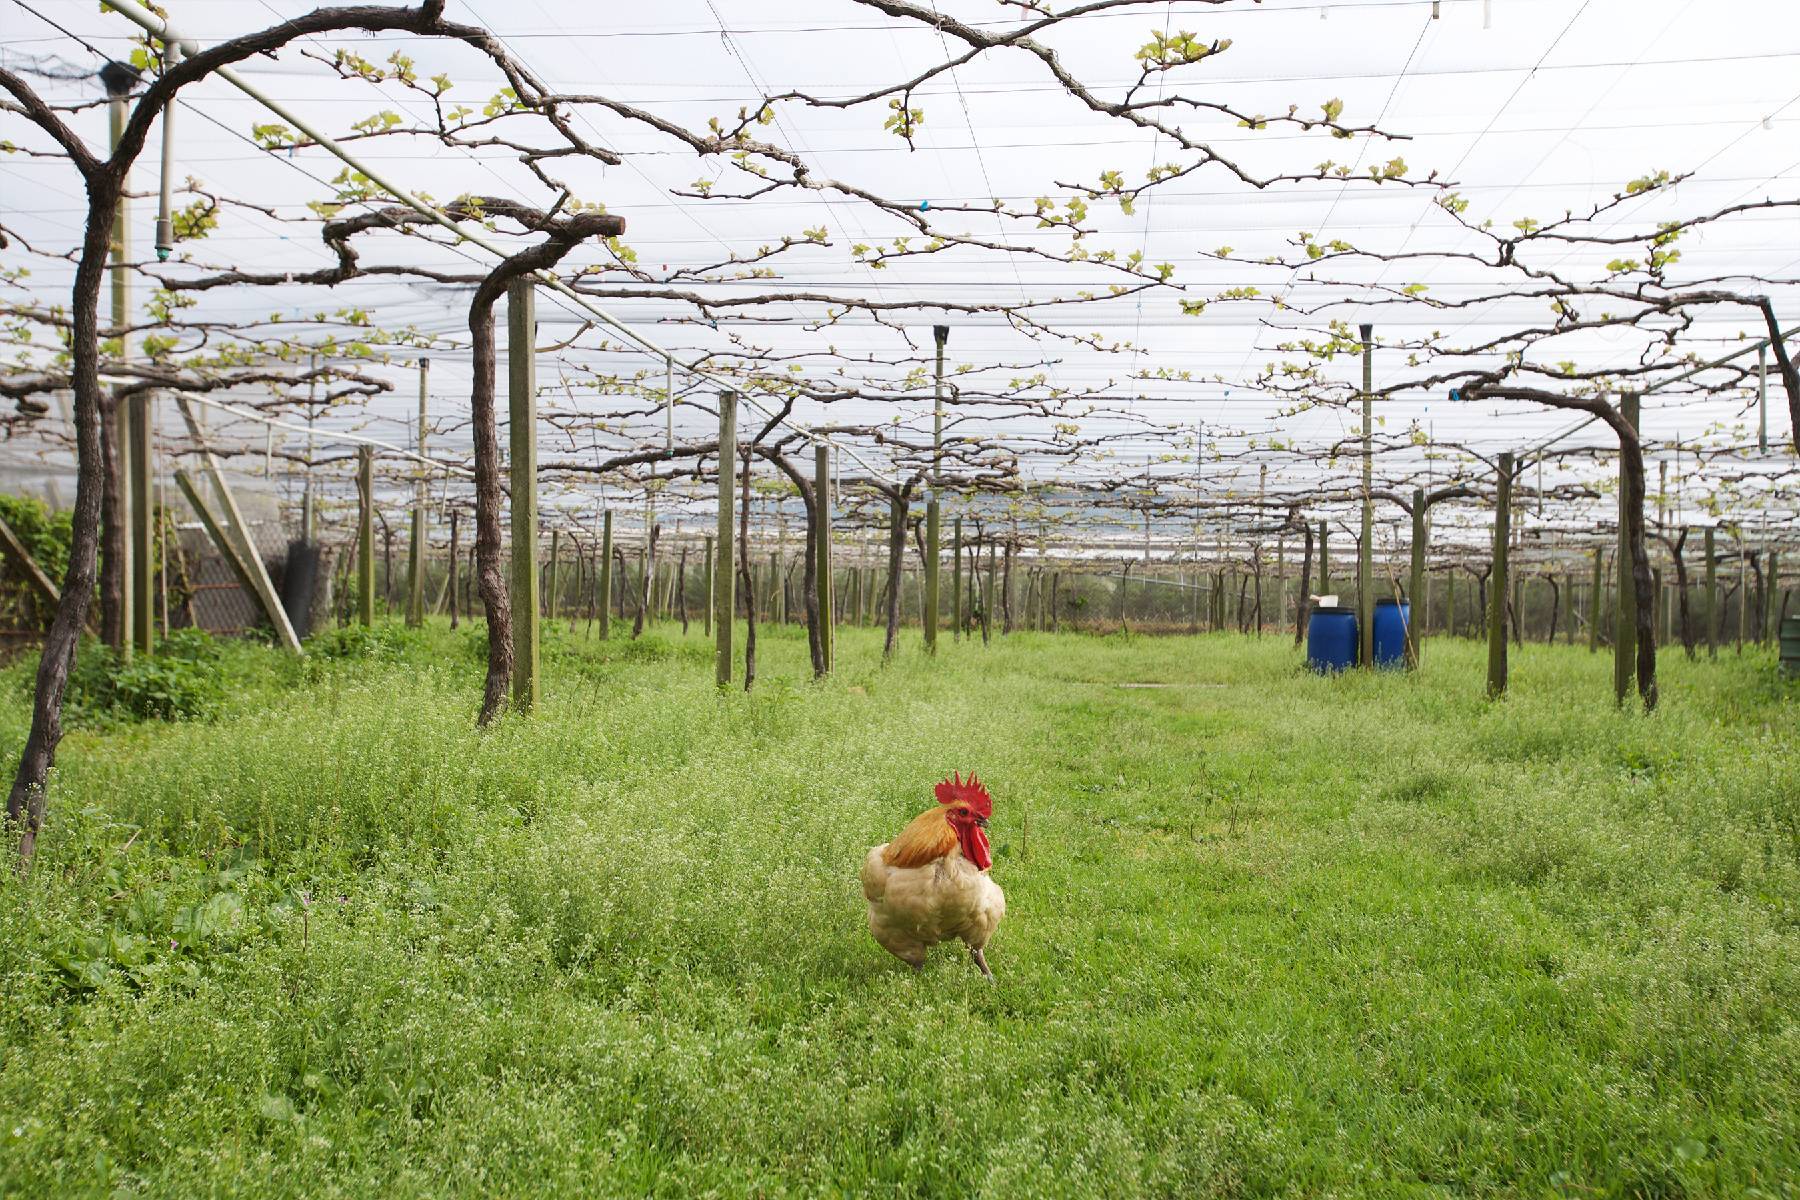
(1268, 934)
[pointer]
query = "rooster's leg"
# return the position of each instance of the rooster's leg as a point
(980, 961)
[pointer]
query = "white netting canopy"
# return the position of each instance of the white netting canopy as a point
(1175, 365)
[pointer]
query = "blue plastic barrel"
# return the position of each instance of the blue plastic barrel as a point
(1391, 617)
(1331, 639)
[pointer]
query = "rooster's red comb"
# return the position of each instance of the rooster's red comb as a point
(955, 791)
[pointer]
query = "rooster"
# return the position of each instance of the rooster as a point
(930, 884)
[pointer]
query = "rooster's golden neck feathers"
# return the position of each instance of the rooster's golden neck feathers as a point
(926, 838)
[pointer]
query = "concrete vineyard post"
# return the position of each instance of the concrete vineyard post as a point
(1496, 681)
(550, 580)
(604, 602)
(415, 554)
(1415, 585)
(724, 595)
(1517, 610)
(987, 597)
(1771, 589)
(706, 582)
(822, 546)
(119, 81)
(1712, 594)
(141, 614)
(1625, 619)
(1280, 609)
(1324, 558)
(1596, 589)
(450, 567)
(1365, 550)
(1743, 590)
(930, 616)
(521, 389)
(365, 536)
(956, 574)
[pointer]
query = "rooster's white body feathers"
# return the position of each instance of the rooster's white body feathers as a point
(912, 909)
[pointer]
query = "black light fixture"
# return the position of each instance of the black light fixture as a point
(119, 79)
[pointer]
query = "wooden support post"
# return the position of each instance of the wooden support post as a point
(1712, 594)
(521, 395)
(415, 553)
(1496, 684)
(365, 536)
(724, 592)
(1625, 618)
(1416, 583)
(141, 508)
(1450, 602)
(604, 600)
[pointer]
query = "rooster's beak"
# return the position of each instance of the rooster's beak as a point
(981, 821)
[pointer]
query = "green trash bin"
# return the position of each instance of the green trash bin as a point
(1790, 647)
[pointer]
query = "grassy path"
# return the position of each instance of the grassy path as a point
(1269, 934)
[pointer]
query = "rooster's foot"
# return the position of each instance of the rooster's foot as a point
(981, 961)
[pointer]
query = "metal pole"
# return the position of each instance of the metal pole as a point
(1762, 399)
